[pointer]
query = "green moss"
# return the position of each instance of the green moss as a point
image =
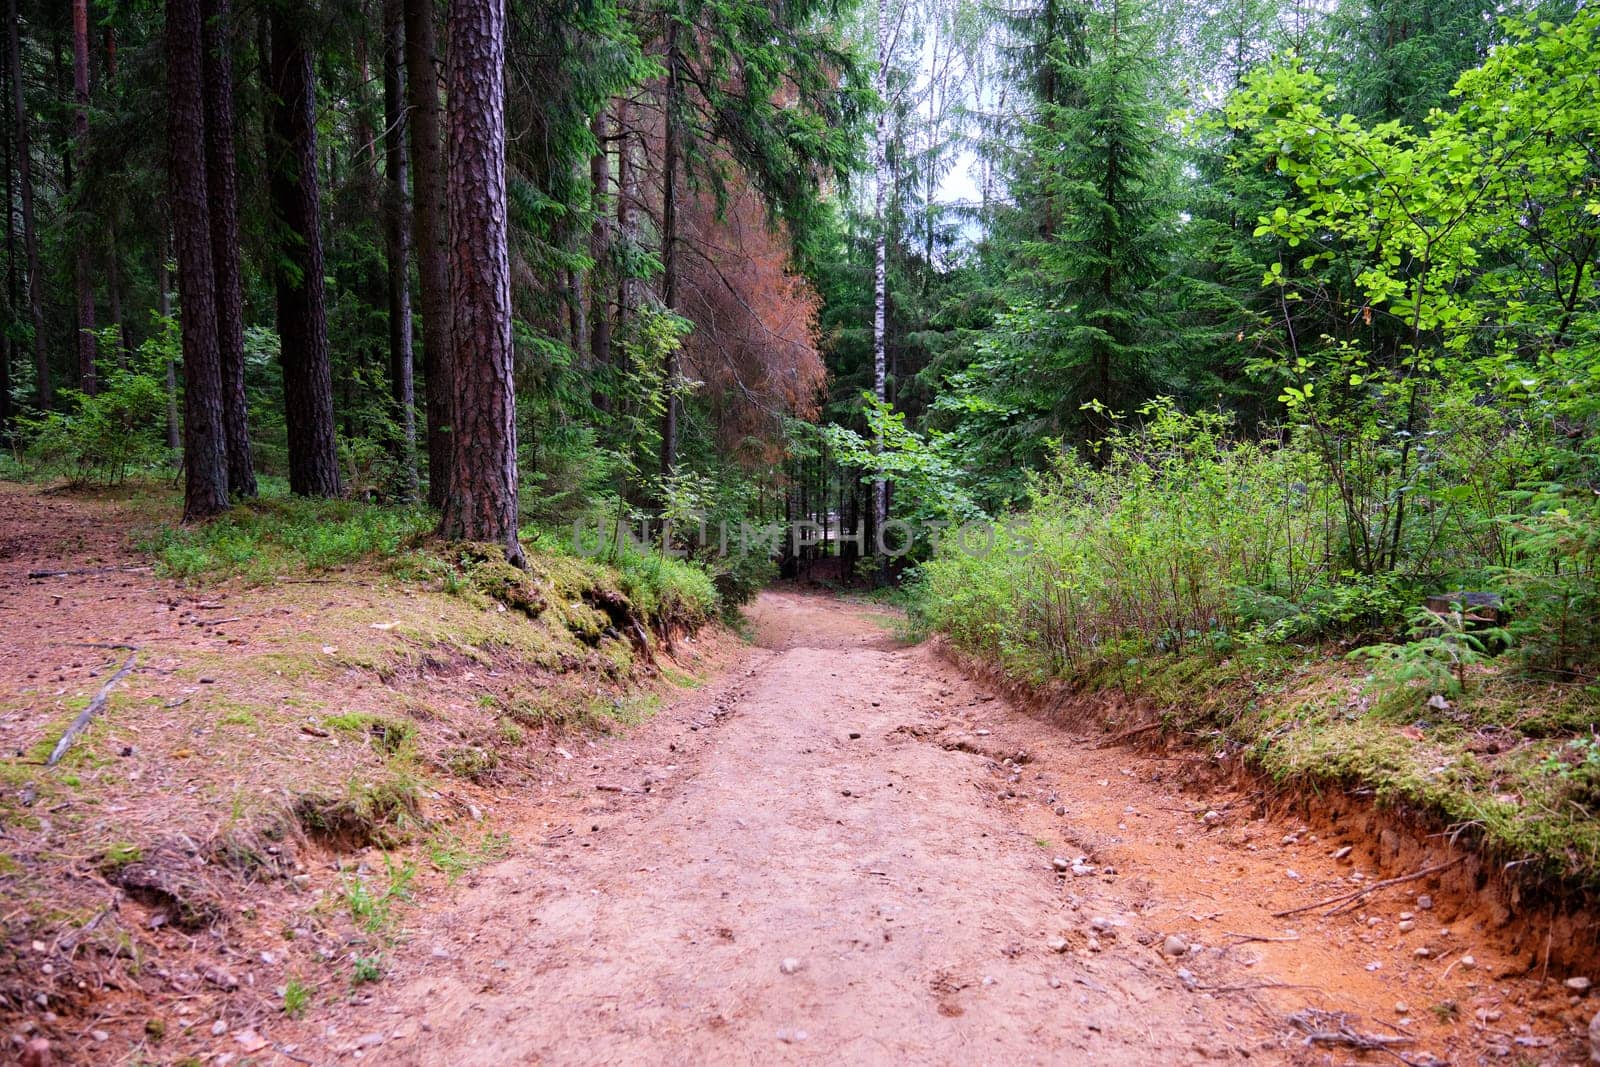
(121, 854)
(388, 736)
(473, 762)
(239, 718)
(380, 813)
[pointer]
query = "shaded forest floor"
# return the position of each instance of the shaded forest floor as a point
(355, 817)
(290, 760)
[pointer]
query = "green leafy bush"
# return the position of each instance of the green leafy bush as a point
(104, 437)
(1156, 544)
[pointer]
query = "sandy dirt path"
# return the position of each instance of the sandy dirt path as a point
(824, 856)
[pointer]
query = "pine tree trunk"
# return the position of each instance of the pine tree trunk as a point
(483, 485)
(599, 242)
(669, 249)
(88, 379)
(880, 277)
(428, 220)
(222, 179)
(7, 346)
(205, 452)
(114, 295)
(44, 394)
(397, 238)
(302, 310)
(164, 309)
(627, 214)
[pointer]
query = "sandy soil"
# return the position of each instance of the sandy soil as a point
(825, 856)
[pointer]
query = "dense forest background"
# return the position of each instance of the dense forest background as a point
(1257, 317)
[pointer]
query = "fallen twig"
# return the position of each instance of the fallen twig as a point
(88, 713)
(69, 942)
(89, 570)
(1258, 937)
(1333, 1028)
(1252, 986)
(1135, 732)
(1345, 900)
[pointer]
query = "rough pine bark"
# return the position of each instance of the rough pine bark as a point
(482, 503)
(627, 213)
(599, 242)
(669, 246)
(397, 238)
(205, 454)
(124, 346)
(44, 395)
(6, 345)
(164, 309)
(429, 236)
(302, 308)
(222, 179)
(88, 379)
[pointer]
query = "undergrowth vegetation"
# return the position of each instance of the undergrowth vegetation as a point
(1213, 576)
(276, 535)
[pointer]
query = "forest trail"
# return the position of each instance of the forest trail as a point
(823, 856)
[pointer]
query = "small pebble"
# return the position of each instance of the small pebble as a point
(1424, 903)
(1401, 1007)
(1056, 944)
(100, 1035)
(1577, 984)
(1175, 946)
(1291, 873)
(1422, 952)
(789, 965)
(219, 1028)
(1406, 927)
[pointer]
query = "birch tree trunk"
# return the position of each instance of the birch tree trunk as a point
(397, 239)
(880, 272)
